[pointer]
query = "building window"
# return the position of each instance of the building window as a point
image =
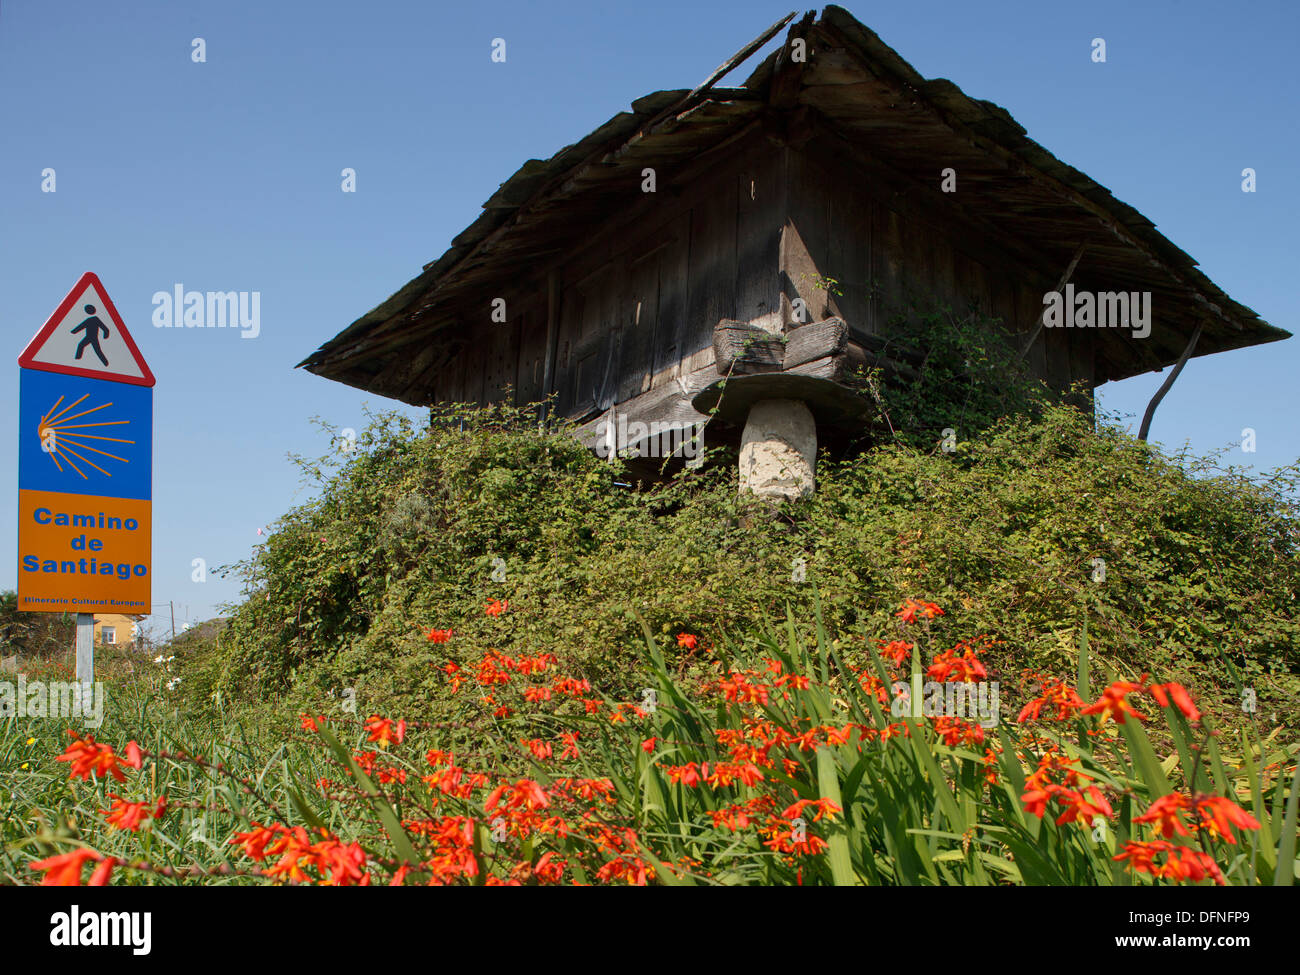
(108, 634)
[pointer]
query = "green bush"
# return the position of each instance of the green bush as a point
(1201, 566)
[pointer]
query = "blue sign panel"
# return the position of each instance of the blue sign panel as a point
(85, 436)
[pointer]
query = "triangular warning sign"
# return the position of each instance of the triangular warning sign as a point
(85, 337)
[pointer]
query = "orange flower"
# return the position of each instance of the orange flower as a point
(824, 807)
(912, 608)
(1112, 703)
(256, 840)
(570, 740)
(1163, 693)
(384, 731)
(1165, 814)
(437, 636)
(1218, 815)
(129, 815)
(65, 869)
(524, 794)
(1182, 863)
(688, 775)
(687, 640)
(1141, 856)
(100, 877)
(495, 607)
(648, 746)
(896, 651)
(87, 756)
(541, 749)
(966, 668)
(1078, 807)
(838, 736)
(1055, 694)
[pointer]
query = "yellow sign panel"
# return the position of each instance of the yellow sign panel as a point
(83, 553)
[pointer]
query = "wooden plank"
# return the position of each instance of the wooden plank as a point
(736, 59)
(712, 270)
(533, 344)
(670, 324)
(640, 323)
(740, 348)
(806, 239)
(849, 257)
(815, 341)
(761, 194)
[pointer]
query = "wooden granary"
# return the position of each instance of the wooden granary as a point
(692, 238)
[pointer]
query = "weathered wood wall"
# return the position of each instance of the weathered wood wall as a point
(886, 245)
(740, 238)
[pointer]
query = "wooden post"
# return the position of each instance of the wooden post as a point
(85, 649)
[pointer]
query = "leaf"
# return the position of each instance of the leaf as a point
(1285, 875)
(838, 841)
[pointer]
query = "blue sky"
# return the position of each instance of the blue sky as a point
(225, 175)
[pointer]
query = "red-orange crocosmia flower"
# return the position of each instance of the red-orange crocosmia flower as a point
(1165, 815)
(648, 746)
(963, 668)
(1113, 703)
(570, 740)
(1086, 805)
(495, 607)
(100, 876)
(687, 640)
(1218, 815)
(1164, 693)
(88, 756)
(896, 651)
(1056, 694)
(385, 731)
(129, 815)
(64, 870)
(437, 636)
(913, 608)
(1182, 863)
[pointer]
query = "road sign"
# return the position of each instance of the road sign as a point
(85, 337)
(85, 462)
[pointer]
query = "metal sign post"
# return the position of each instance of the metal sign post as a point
(85, 650)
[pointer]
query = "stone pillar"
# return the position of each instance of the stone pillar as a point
(778, 450)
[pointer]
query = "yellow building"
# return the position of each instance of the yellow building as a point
(115, 627)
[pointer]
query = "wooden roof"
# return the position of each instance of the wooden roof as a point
(1030, 204)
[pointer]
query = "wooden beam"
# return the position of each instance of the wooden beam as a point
(732, 62)
(1060, 286)
(1164, 387)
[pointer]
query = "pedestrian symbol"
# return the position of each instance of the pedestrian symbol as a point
(92, 326)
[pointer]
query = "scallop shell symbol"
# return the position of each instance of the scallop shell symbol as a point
(63, 440)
